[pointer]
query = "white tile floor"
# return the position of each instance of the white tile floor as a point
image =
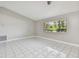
(37, 48)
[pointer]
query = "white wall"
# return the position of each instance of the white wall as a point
(14, 25)
(71, 36)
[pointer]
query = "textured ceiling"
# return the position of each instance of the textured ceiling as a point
(37, 10)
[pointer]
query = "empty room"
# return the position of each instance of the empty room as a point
(39, 29)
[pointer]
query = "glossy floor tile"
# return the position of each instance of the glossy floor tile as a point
(37, 48)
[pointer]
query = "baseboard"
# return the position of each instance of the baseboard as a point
(68, 43)
(20, 38)
(72, 44)
(13, 39)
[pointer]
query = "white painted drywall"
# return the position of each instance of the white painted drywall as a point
(72, 36)
(14, 25)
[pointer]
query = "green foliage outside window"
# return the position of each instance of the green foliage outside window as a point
(56, 26)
